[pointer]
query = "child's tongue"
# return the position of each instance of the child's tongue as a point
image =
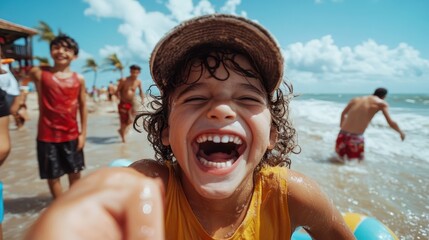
(217, 156)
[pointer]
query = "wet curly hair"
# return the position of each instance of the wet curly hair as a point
(156, 120)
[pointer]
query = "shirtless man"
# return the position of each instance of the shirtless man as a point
(355, 118)
(126, 93)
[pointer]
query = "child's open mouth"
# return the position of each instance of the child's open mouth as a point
(219, 151)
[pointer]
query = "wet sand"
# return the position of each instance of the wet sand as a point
(25, 194)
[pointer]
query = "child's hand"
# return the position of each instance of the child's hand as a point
(80, 142)
(112, 203)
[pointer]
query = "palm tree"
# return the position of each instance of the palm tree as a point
(47, 35)
(91, 65)
(45, 32)
(114, 64)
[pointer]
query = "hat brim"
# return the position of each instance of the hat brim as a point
(223, 31)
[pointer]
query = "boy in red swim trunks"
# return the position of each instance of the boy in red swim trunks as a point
(355, 118)
(61, 94)
(126, 94)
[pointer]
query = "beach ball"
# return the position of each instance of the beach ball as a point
(363, 227)
(120, 163)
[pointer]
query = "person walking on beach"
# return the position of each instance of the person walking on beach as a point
(355, 118)
(61, 93)
(126, 94)
(111, 91)
(222, 138)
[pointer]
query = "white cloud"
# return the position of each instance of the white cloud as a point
(180, 9)
(84, 55)
(322, 61)
(370, 58)
(203, 7)
(120, 51)
(230, 6)
(143, 29)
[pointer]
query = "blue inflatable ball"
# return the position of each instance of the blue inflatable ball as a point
(1, 203)
(300, 234)
(120, 163)
(368, 228)
(363, 228)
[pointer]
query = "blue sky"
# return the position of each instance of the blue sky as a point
(330, 46)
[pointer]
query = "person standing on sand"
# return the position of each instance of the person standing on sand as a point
(355, 118)
(110, 91)
(126, 93)
(61, 94)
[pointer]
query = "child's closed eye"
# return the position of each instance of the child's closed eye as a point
(250, 100)
(195, 99)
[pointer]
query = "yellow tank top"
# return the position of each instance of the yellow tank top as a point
(266, 218)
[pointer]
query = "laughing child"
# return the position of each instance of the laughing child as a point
(222, 139)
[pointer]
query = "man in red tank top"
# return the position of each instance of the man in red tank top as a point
(61, 94)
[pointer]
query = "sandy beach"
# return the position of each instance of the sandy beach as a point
(390, 186)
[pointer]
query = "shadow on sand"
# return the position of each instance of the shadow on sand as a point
(26, 204)
(103, 140)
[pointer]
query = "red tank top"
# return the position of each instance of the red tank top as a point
(58, 103)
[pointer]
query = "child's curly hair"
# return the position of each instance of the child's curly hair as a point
(154, 122)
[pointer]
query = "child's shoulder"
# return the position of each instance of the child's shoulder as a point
(152, 168)
(299, 182)
(304, 192)
(298, 185)
(79, 76)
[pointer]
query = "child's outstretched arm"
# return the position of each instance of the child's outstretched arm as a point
(310, 208)
(111, 203)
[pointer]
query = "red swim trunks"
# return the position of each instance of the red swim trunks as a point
(124, 110)
(350, 146)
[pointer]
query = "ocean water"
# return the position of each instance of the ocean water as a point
(391, 184)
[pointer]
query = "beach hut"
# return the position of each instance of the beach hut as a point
(16, 43)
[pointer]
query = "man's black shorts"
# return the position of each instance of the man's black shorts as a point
(57, 159)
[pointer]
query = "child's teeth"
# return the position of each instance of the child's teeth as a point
(218, 165)
(216, 139)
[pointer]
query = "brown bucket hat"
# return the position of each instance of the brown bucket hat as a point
(219, 30)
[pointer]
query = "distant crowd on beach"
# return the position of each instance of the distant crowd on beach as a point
(104, 93)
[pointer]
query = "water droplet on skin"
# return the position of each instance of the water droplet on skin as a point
(147, 208)
(297, 179)
(146, 193)
(146, 231)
